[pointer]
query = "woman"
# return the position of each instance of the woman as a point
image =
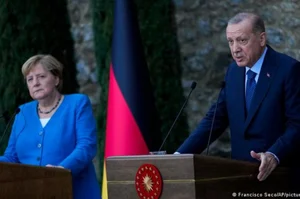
(55, 130)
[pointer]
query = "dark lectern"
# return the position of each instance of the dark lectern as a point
(189, 176)
(23, 181)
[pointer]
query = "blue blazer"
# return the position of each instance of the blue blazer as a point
(272, 124)
(69, 139)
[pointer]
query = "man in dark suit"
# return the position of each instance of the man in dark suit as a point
(260, 101)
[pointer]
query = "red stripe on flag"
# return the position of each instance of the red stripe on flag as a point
(123, 136)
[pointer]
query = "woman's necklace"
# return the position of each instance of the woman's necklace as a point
(54, 107)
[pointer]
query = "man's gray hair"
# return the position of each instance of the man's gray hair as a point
(257, 22)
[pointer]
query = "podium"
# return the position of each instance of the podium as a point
(19, 181)
(188, 176)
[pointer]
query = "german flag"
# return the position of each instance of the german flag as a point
(131, 113)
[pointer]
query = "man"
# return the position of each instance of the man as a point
(260, 101)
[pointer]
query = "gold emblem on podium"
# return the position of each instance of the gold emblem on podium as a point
(148, 182)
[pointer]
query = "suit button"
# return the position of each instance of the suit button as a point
(39, 145)
(38, 158)
(41, 133)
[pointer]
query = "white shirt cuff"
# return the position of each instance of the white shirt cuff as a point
(274, 156)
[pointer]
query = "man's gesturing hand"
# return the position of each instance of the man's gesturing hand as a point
(267, 164)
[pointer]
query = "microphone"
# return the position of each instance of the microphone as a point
(193, 86)
(9, 122)
(223, 83)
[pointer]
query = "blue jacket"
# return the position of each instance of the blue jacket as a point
(272, 124)
(69, 139)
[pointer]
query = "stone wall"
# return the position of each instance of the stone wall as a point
(82, 31)
(204, 50)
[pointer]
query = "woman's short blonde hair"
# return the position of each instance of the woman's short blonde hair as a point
(49, 63)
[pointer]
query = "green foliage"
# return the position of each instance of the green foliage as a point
(161, 51)
(28, 28)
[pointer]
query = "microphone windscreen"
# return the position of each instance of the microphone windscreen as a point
(17, 110)
(193, 85)
(222, 84)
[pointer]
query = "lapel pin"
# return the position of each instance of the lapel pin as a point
(268, 75)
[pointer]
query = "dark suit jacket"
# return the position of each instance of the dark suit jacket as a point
(272, 124)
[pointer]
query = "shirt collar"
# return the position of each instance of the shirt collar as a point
(257, 66)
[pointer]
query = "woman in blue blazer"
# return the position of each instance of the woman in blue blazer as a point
(55, 130)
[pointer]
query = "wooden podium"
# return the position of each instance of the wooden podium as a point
(189, 176)
(23, 181)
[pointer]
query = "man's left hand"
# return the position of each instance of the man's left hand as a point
(267, 164)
